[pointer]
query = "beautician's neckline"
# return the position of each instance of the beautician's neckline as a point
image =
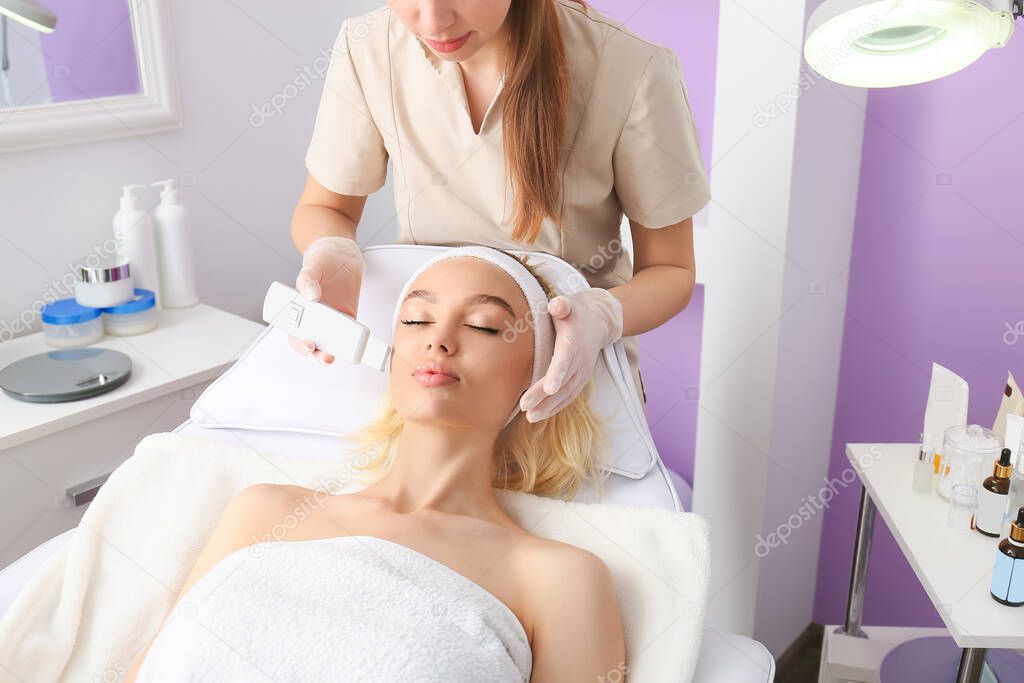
(424, 557)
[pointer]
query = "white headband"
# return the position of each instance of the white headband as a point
(536, 299)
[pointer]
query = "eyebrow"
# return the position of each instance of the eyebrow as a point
(471, 301)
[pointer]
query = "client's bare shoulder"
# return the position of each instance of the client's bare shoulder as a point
(257, 510)
(557, 556)
(249, 517)
(255, 514)
(577, 626)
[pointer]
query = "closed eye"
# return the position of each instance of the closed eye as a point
(488, 330)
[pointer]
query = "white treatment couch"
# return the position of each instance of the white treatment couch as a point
(644, 479)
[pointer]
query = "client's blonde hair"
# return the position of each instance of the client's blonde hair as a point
(553, 457)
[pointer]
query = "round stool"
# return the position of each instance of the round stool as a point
(936, 659)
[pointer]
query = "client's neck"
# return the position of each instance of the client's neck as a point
(441, 468)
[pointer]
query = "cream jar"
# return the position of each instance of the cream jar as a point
(103, 281)
(134, 317)
(67, 324)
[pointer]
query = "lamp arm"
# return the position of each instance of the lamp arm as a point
(5, 64)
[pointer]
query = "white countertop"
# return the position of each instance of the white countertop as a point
(188, 346)
(955, 567)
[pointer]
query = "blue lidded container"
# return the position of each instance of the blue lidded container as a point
(132, 317)
(67, 324)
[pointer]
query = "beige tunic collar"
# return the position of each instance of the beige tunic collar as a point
(451, 74)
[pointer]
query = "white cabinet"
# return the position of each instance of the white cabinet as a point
(46, 449)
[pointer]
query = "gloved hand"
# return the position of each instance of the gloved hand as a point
(332, 272)
(585, 322)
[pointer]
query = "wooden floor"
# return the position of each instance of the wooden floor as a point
(799, 663)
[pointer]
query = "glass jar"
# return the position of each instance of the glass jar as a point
(968, 452)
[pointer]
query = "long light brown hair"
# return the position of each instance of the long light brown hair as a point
(537, 89)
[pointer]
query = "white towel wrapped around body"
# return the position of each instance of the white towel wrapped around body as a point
(353, 608)
(98, 600)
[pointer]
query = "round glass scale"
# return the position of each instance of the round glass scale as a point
(65, 375)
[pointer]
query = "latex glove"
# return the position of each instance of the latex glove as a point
(585, 322)
(332, 272)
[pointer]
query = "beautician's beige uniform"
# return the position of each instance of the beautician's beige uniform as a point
(630, 132)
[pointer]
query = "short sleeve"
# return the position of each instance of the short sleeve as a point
(347, 153)
(659, 171)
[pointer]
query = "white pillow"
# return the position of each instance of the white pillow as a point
(273, 388)
(661, 562)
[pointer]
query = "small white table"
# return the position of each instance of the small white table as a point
(48, 448)
(954, 566)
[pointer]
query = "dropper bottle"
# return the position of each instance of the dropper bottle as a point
(1008, 573)
(992, 497)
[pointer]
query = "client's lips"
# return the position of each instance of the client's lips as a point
(434, 375)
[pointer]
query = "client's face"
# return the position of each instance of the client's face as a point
(463, 347)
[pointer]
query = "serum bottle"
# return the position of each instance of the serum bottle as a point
(924, 468)
(992, 497)
(1008, 574)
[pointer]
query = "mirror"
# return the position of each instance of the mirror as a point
(88, 55)
(79, 72)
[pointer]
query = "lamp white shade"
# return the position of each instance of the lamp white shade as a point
(888, 43)
(30, 13)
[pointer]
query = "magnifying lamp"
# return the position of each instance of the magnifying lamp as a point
(33, 15)
(30, 13)
(888, 43)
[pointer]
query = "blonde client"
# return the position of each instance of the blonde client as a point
(421, 575)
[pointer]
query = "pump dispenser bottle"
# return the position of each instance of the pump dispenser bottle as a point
(1008, 574)
(174, 248)
(992, 497)
(136, 241)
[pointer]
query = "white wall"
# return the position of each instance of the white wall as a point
(57, 204)
(781, 224)
(823, 200)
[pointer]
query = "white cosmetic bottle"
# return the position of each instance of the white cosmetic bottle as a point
(136, 241)
(1015, 442)
(174, 248)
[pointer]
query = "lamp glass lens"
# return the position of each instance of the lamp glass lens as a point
(901, 42)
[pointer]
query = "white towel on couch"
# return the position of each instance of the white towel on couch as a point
(357, 607)
(97, 601)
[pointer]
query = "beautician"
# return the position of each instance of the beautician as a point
(517, 124)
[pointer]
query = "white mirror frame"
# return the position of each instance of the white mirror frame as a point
(156, 109)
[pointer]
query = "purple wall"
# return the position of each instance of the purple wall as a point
(670, 355)
(91, 53)
(937, 274)
(670, 366)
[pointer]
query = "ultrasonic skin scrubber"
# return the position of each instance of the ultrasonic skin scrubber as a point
(331, 330)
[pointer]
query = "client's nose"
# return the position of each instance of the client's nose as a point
(441, 341)
(441, 336)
